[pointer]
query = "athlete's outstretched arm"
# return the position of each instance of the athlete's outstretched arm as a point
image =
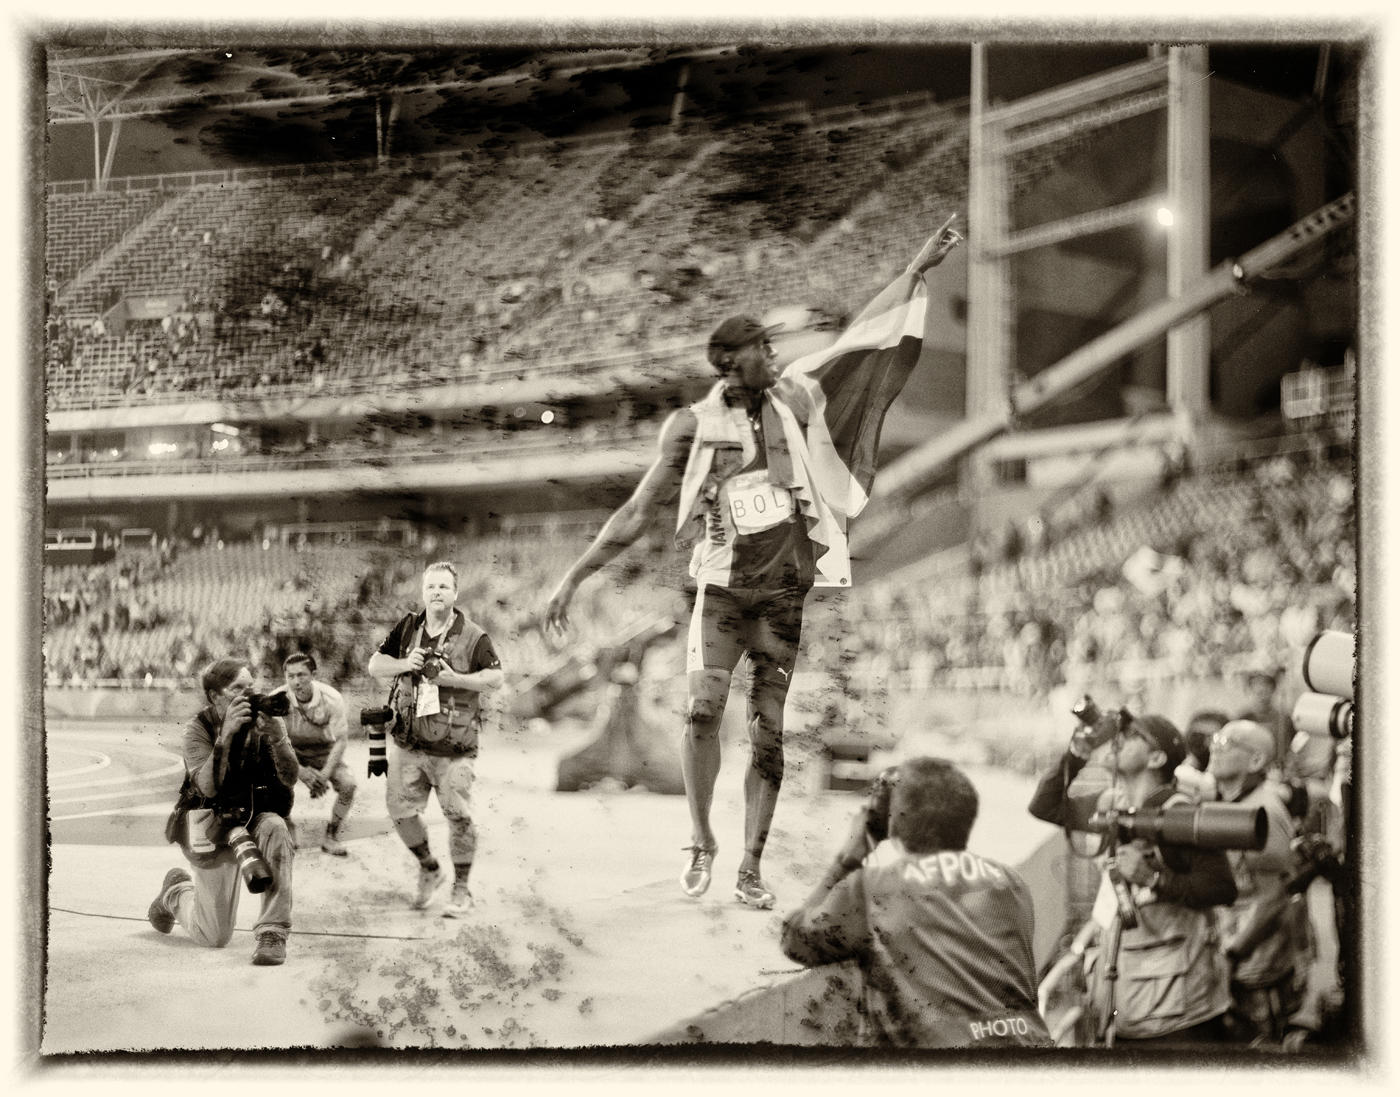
(937, 247)
(659, 486)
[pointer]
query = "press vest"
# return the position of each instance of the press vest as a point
(1170, 972)
(455, 728)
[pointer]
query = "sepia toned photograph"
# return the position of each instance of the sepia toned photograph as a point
(695, 545)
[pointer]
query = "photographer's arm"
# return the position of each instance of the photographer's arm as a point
(198, 749)
(485, 673)
(339, 728)
(1271, 901)
(482, 681)
(383, 665)
(830, 926)
(273, 731)
(390, 666)
(1269, 868)
(1051, 801)
(1196, 878)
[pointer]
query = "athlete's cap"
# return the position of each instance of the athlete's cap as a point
(1161, 733)
(740, 331)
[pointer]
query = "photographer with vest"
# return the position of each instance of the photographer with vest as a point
(231, 818)
(1156, 975)
(440, 663)
(1259, 931)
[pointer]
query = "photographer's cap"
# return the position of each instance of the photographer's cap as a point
(1162, 733)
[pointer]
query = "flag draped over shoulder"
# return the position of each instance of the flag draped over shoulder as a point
(847, 387)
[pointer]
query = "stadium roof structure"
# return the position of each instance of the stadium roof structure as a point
(182, 86)
(203, 93)
(113, 85)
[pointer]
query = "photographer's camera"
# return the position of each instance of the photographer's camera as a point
(1097, 726)
(269, 704)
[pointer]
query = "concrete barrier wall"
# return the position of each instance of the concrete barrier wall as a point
(117, 704)
(144, 706)
(814, 1009)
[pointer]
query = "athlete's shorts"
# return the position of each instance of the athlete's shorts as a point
(727, 623)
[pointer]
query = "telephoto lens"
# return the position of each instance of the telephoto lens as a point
(1330, 662)
(378, 759)
(1324, 714)
(256, 873)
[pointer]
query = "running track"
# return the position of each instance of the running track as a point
(108, 783)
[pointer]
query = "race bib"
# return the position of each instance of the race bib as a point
(755, 504)
(427, 703)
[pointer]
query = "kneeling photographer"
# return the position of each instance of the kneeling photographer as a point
(942, 936)
(231, 817)
(1149, 958)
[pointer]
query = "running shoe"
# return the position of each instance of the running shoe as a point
(160, 916)
(460, 905)
(333, 845)
(753, 892)
(429, 880)
(695, 880)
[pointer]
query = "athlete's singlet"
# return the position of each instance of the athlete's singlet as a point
(755, 539)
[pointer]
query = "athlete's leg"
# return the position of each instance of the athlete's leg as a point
(712, 652)
(707, 691)
(775, 636)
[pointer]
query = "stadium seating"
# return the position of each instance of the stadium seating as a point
(467, 268)
(79, 227)
(1204, 613)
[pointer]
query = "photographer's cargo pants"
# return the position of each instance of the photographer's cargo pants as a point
(412, 775)
(209, 908)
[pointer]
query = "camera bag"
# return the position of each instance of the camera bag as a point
(177, 826)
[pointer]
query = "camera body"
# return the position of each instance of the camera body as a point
(1102, 724)
(434, 659)
(1316, 857)
(877, 804)
(269, 704)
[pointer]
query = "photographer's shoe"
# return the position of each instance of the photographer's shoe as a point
(333, 845)
(428, 883)
(160, 916)
(460, 905)
(271, 950)
(753, 892)
(695, 880)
